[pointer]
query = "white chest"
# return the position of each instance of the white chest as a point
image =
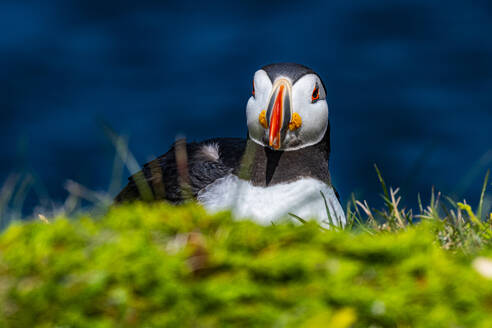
(267, 204)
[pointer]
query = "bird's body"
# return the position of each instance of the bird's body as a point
(205, 162)
(280, 169)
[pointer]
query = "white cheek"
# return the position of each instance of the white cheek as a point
(253, 110)
(256, 104)
(314, 121)
(314, 116)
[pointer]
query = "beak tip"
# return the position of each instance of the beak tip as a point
(274, 143)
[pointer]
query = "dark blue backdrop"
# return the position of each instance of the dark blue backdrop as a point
(409, 84)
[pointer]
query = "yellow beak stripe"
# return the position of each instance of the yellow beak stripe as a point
(294, 124)
(262, 119)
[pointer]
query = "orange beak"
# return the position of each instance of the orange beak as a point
(276, 120)
(279, 112)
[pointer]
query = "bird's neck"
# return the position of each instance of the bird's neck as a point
(264, 166)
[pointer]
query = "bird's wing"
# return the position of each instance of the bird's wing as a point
(184, 170)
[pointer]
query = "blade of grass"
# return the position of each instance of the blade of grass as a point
(383, 184)
(297, 218)
(419, 200)
(20, 196)
(330, 220)
(5, 196)
(467, 208)
(303, 221)
(482, 195)
(130, 162)
(181, 153)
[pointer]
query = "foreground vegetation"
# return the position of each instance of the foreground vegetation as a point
(162, 266)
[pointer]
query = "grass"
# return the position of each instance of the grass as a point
(156, 265)
(458, 226)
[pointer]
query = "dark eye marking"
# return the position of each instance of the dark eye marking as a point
(315, 95)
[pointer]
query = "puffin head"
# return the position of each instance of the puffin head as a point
(288, 108)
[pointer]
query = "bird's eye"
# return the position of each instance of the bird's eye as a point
(253, 88)
(315, 95)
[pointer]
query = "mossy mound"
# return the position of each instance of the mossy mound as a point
(164, 266)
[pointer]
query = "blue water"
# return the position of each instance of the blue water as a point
(409, 85)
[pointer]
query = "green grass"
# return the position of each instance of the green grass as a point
(157, 265)
(457, 226)
(162, 266)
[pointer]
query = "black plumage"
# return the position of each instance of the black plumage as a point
(292, 70)
(164, 180)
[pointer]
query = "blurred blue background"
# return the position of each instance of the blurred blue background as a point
(409, 85)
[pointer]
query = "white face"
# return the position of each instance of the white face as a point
(301, 102)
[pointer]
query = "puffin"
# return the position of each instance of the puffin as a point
(280, 170)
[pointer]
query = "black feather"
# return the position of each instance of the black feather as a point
(163, 178)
